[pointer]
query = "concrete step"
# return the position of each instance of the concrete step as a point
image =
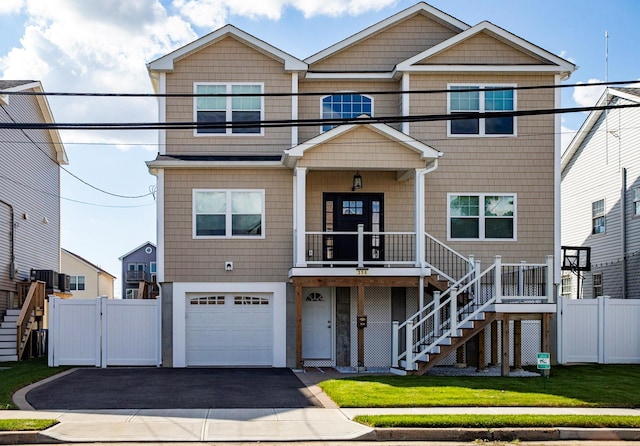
(8, 344)
(7, 351)
(8, 358)
(8, 331)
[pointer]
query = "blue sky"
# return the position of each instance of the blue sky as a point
(91, 46)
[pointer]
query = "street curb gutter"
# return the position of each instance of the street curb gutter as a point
(505, 434)
(20, 437)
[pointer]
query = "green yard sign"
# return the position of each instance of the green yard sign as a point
(544, 361)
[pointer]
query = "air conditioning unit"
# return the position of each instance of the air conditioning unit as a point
(48, 276)
(64, 282)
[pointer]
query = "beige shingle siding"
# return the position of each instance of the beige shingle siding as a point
(382, 51)
(228, 61)
(30, 182)
(483, 49)
(522, 165)
(361, 148)
(310, 106)
(189, 259)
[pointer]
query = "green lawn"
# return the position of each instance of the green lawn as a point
(16, 375)
(25, 425)
(568, 386)
(497, 421)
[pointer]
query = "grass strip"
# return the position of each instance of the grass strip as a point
(16, 375)
(19, 424)
(496, 421)
(569, 386)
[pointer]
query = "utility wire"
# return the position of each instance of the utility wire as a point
(303, 122)
(290, 94)
(48, 156)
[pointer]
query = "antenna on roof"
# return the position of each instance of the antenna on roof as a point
(606, 56)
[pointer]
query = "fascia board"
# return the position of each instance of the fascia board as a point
(428, 9)
(165, 63)
(161, 164)
(562, 64)
(136, 249)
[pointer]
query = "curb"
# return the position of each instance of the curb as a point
(506, 434)
(22, 437)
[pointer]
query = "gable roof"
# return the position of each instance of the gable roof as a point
(43, 104)
(549, 62)
(418, 8)
(291, 156)
(165, 63)
(136, 249)
(631, 94)
(88, 263)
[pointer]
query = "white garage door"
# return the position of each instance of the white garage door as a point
(235, 330)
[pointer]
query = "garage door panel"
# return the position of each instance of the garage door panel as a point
(229, 330)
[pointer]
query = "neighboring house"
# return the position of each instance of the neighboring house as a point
(86, 280)
(601, 198)
(138, 265)
(299, 241)
(29, 200)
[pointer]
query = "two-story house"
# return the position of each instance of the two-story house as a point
(86, 280)
(337, 210)
(29, 206)
(601, 199)
(138, 267)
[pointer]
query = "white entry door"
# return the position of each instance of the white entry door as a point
(317, 323)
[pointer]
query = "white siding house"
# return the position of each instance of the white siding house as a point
(601, 198)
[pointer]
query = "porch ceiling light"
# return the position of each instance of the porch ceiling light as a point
(357, 181)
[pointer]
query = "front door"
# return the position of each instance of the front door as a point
(343, 213)
(316, 323)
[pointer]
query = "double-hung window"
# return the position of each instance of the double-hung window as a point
(345, 106)
(242, 113)
(482, 99)
(482, 216)
(77, 283)
(636, 200)
(597, 285)
(228, 213)
(597, 217)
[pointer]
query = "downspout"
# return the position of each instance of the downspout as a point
(623, 230)
(422, 174)
(12, 265)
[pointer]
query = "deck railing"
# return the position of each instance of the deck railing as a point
(33, 302)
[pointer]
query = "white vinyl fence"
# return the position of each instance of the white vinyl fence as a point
(104, 332)
(602, 330)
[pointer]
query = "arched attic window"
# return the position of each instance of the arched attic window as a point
(345, 105)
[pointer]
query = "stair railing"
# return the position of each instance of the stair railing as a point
(33, 300)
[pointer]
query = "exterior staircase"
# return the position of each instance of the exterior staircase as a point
(8, 341)
(461, 307)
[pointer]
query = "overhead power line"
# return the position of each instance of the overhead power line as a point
(304, 122)
(289, 94)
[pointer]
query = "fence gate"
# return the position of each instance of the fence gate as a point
(104, 332)
(602, 330)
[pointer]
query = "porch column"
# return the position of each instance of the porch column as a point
(299, 220)
(360, 310)
(504, 365)
(299, 326)
(419, 219)
(517, 344)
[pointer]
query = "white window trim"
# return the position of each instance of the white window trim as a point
(634, 201)
(481, 131)
(345, 92)
(229, 110)
(482, 217)
(228, 215)
(73, 281)
(604, 216)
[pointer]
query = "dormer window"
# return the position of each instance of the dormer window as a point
(344, 106)
(237, 110)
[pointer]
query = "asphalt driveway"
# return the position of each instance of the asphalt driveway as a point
(160, 388)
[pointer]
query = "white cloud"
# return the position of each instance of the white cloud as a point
(588, 96)
(11, 6)
(566, 137)
(214, 13)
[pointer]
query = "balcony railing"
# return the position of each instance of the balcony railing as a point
(138, 276)
(370, 248)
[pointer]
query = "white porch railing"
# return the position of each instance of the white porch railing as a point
(443, 317)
